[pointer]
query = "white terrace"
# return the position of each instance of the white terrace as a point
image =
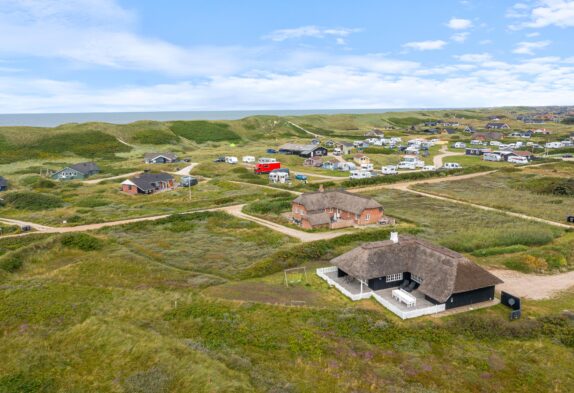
(357, 289)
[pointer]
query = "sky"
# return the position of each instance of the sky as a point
(144, 55)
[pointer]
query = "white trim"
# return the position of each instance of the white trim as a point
(394, 277)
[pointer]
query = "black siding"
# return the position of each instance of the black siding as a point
(341, 273)
(470, 297)
(381, 283)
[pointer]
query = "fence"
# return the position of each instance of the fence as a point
(322, 272)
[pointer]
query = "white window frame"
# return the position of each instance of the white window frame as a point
(394, 277)
(367, 217)
(417, 279)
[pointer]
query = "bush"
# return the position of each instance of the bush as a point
(33, 201)
(269, 206)
(93, 201)
(11, 263)
(81, 241)
(44, 183)
(204, 131)
(379, 150)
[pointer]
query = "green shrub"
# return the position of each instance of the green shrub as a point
(22, 383)
(32, 201)
(11, 263)
(379, 150)
(269, 206)
(204, 131)
(155, 137)
(81, 241)
(45, 183)
(486, 252)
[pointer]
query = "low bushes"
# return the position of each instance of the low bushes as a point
(204, 131)
(33, 201)
(379, 150)
(155, 137)
(487, 252)
(81, 241)
(270, 206)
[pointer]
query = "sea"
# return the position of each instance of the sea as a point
(56, 119)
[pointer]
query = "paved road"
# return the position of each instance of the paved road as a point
(533, 286)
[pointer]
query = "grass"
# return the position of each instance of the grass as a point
(530, 194)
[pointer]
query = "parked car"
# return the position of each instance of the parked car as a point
(429, 168)
(188, 181)
(231, 160)
(271, 151)
(219, 159)
(459, 145)
(567, 156)
(300, 177)
(452, 165)
(570, 219)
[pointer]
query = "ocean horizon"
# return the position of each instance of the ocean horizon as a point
(57, 119)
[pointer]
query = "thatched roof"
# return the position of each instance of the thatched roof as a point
(318, 219)
(338, 199)
(444, 272)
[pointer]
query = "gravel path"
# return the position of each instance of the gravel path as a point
(533, 286)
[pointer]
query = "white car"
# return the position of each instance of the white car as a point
(459, 145)
(231, 160)
(452, 165)
(248, 159)
(429, 168)
(491, 157)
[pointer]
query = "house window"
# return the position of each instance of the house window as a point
(417, 279)
(367, 217)
(394, 277)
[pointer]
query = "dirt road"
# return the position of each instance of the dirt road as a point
(301, 235)
(533, 286)
(96, 181)
(438, 159)
(185, 171)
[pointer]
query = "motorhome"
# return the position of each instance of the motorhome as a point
(360, 174)
(231, 160)
(278, 177)
(266, 160)
(248, 159)
(429, 168)
(411, 162)
(491, 157)
(389, 170)
(518, 160)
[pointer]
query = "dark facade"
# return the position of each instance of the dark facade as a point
(467, 298)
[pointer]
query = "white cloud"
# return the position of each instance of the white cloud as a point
(544, 13)
(474, 57)
(528, 48)
(425, 45)
(459, 37)
(485, 42)
(309, 31)
(459, 24)
(533, 34)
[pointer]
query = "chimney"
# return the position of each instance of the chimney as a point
(395, 237)
(321, 188)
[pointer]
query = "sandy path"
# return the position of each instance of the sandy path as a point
(438, 159)
(301, 235)
(96, 181)
(185, 171)
(533, 286)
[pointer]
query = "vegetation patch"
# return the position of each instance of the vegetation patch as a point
(204, 131)
(155, 137)
(32, 201)
(81, 241)
(486, 252)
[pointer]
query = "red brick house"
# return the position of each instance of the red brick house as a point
(148, 183)
(334, 209)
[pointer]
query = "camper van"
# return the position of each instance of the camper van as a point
(492, 157)
(279, 177)
(360, 174)
(452, 165)
(389, 170)
(429, 168)
(367, 167)
(231, 160)
(248, 159)
(265, 160)
(411, 162)
(518, 160)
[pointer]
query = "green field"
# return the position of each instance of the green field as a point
(198, 302)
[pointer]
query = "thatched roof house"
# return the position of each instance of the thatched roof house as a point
(443, 273)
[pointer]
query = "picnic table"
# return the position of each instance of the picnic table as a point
(403, 296)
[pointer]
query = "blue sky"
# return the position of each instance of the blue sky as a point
(128, 55)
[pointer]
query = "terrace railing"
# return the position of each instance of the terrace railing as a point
(322, 272)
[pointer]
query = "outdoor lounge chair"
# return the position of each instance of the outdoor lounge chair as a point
(404, 284)
(411, 286)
